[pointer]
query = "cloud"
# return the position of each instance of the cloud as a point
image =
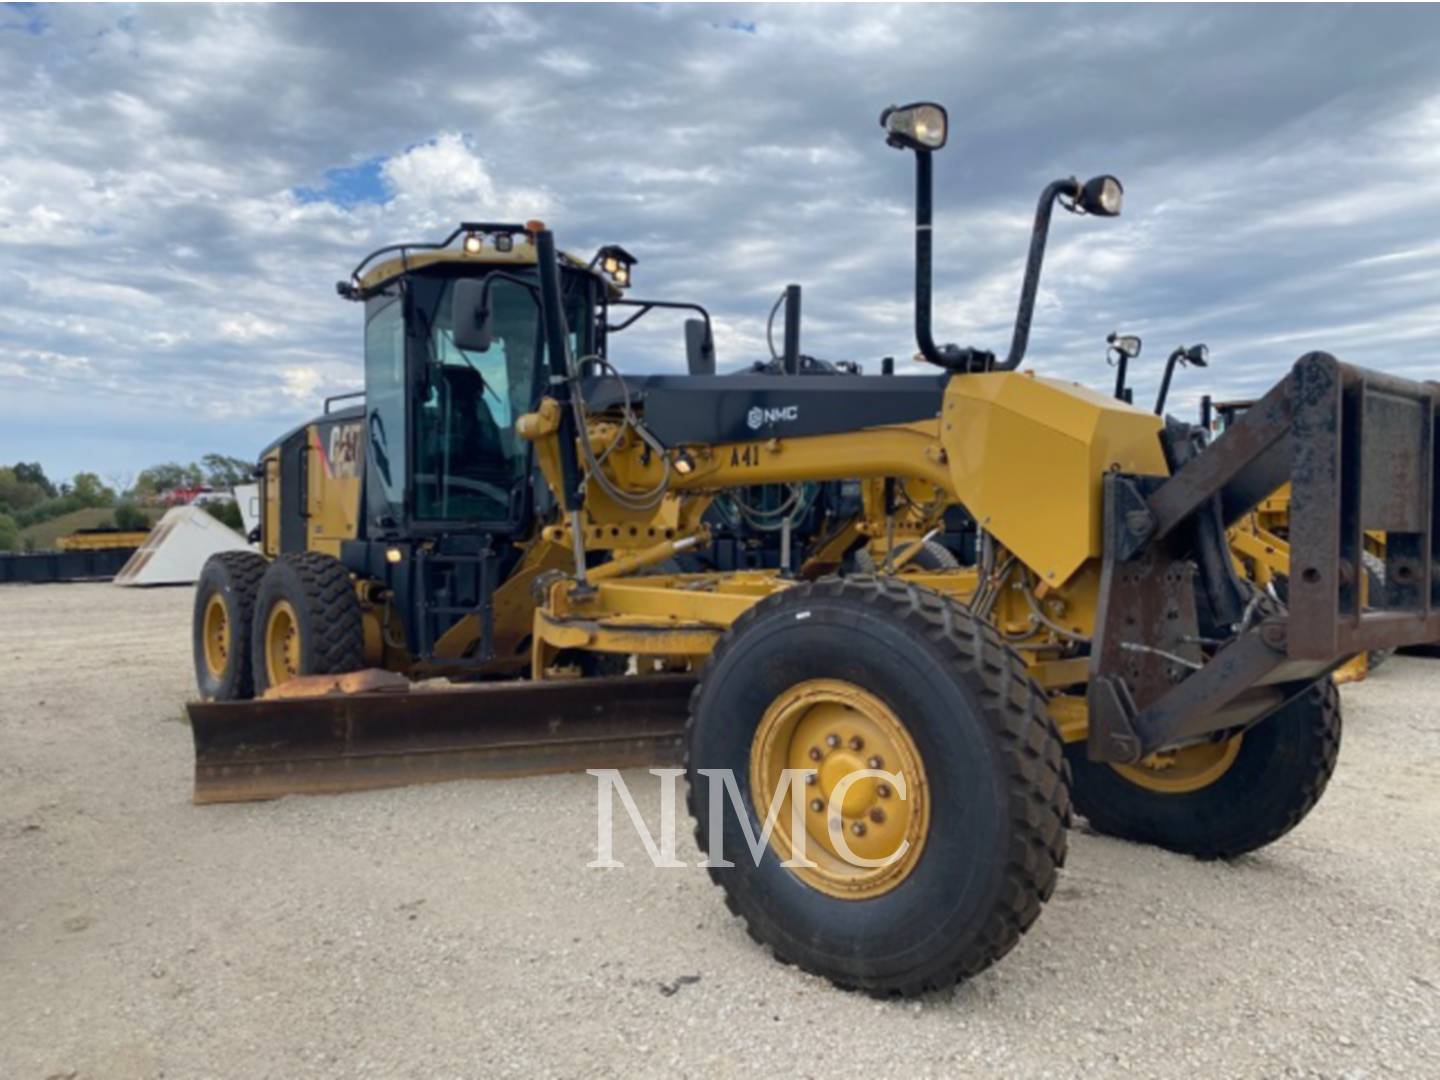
(445, 179)
(182, 186)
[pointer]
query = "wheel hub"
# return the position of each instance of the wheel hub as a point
(216, 633)
(1190, 768)
(282, 644)
(833, 733)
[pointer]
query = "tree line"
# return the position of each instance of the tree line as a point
(29, 497)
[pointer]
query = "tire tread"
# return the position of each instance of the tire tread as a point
(1013, 706)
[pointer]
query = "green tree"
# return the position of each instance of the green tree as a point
(228, 512)
(90, 490)
(17, 493)
(130, 517)
(9, 534)
(159, 479)
(32, 473)
(223, 471)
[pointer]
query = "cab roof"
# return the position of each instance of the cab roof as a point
(471, 244)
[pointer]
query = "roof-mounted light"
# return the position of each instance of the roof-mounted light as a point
(615, 263)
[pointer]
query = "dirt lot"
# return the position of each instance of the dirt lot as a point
(456, 931)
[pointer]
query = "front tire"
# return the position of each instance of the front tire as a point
(307, 621)
(220, 628)
(898, 670)
(1223, 800)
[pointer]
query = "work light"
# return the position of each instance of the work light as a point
(615, 262)
(1125, 344)
(473, 243)
(920, 126)
(1101, 196)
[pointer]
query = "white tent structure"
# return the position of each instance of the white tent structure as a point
(176, 549)
(248, 498)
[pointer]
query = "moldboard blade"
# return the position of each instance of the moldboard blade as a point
(251, 750)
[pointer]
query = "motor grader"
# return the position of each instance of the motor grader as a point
(919, 737)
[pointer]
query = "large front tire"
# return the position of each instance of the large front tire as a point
(1219, 800)
(220, 628)
(872, 667)
(307, 621)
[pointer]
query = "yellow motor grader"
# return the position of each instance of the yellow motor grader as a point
(905, 747)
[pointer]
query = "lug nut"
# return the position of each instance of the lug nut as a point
(856, 743)
(815, 754)
(883, 790)
(832, 740)
(811, 778)
(876, 762)
(877, 816)
(858, 828)
(816, 805)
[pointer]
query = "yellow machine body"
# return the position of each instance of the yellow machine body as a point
(1027, 455)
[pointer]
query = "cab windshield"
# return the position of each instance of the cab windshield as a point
(469, 462)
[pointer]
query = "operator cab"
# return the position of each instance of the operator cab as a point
(442, 450)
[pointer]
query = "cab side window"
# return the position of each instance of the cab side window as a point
(385, 408)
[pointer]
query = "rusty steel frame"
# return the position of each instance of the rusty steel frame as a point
(1360, 451)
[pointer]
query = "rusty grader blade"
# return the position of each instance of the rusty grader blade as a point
(250, 750)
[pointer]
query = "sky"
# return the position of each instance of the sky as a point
(181, 187)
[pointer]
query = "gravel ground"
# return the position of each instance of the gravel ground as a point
(456, 931)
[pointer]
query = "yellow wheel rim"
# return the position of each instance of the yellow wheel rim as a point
(215, 632)
(828, 729)
(282, 644)
(1176, 772)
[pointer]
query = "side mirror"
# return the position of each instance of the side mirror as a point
(470, 315)
(699, 347)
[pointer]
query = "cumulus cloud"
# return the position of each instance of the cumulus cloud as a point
(181, 186)
(445, 179)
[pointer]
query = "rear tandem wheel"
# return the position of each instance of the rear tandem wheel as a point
(220, 626)
(307, 621)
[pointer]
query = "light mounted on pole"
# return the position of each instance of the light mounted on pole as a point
(1126, 347)
(923, 126)
(1189, 356)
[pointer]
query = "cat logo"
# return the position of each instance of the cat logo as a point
(342, 460)
(758, 417)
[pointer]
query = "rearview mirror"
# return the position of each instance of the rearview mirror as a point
(470, 315)
(699, 347)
